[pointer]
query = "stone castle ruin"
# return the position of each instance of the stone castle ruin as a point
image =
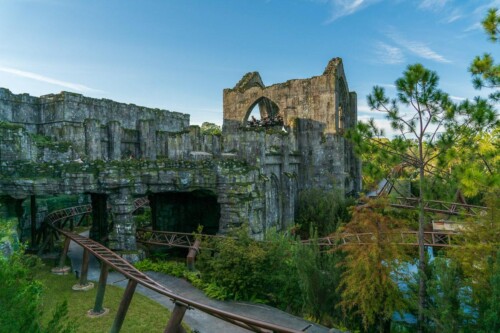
(113, 153)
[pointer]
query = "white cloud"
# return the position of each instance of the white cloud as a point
(389, 54)
(364, 109)
(481, 10)
(455, 15)
(425, 52)
(418, 48)
(340, 8)
(458, 98)
(475, 26)
(46, 79)
(433, 5)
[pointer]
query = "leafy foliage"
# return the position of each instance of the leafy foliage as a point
(210, 129)
(448, 297)
(20, 297)
(319, 276)
(322, 211)
(485, 73)
(368, 284)
(250, 270)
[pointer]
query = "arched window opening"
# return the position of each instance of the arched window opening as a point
(263, 113)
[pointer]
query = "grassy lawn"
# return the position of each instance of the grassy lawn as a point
(144, 315)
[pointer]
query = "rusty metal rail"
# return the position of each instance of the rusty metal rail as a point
(431, 238)
(185, 240)
(169, 238)
(443, 207)
(111, 259)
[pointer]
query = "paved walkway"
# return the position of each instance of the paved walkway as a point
(198, 321)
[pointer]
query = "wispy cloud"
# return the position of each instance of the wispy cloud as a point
(418, 48)
(341, 8)
(456, 14)
(481, 10)
(37, 77)
(457, 98)
(433, 5)
(425, 52)
(388, 54)
(475, 26)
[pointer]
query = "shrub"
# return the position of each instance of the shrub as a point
(20, 299)
(254, 271)
(322, 211)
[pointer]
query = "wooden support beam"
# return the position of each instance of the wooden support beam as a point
(60, 269)
(64, 253)
(101, 288)
(193, 250)
(85, 267)
(124, 304)
(174, 324)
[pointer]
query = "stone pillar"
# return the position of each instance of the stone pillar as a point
(195, 136)
(92, 139)
(147, 138)
(115, 133)
(122, 238)
(99, 229)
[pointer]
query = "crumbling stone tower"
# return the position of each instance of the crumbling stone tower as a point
(308, 150)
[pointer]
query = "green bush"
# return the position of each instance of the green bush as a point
(262, 272)
(173, 268)
(322, 211)
(20, 299)
(319, 275)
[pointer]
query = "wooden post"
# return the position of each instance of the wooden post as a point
(174, 324)
(98, 309)
(124, 304)
(33, 220)
(60, 269)
(62, 259)
(85, 267)
(193, 250)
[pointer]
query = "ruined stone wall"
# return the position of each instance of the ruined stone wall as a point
(309, 150)
(97, 129)
(57, 110)
(68, 143)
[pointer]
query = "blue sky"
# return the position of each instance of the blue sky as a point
(179, 55)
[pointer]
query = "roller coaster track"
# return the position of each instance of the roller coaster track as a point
(185, 240)
(442, 207)
(431, 238)
(56, 221)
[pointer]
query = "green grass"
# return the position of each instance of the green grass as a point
(144, 315)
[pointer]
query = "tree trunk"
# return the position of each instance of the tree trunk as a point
(421, 249)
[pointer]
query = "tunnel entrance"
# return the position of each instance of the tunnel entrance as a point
(185, 211)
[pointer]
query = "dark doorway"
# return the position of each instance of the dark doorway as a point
(185, 211)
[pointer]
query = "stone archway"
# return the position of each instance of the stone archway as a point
(267, 109)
